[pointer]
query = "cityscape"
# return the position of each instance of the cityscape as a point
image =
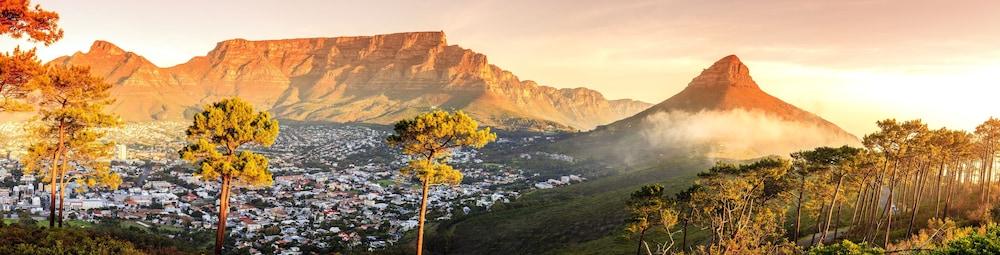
(334, 185)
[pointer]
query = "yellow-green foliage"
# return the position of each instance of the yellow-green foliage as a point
(429, 138)
(743, 206)
(217, 134)
(67, 131)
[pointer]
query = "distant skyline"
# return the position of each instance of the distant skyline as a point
(851, 62)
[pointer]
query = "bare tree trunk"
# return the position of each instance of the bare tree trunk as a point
(888, 207)
(937, 199)
(686, 220)
(833, 202)
(951, 187)
(220, 232)
(62, 189)
(423, 214)
(798, 205)
(819, 216)
(642, 235)
(836, 226)
(916, 200)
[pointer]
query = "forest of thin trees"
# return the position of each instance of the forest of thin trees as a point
(906, 178)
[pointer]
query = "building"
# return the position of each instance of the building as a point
(121, 152)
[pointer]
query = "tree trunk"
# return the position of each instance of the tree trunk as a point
(62, 195)
(888, 207)
(919, 189)
(62, 189)
(423, 214)
(52, 195)
(685, 240)
(52, 179)
(829, 213)
(798, 205)
(220, 232)
(937, 199)
(819, 216)
(642, 235)
(836, 226)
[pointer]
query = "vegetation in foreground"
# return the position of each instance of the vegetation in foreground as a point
(27, 236)
(878, 195)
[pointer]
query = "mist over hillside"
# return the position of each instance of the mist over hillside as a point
(733, 134)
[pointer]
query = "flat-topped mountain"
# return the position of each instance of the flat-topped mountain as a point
(373, 79)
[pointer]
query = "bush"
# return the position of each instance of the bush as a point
(977, 243)
(845, 247)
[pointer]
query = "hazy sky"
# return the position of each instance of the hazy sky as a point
(852, 62)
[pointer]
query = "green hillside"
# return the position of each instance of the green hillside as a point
(561, 219)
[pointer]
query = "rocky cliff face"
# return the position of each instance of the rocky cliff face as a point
(377, 79)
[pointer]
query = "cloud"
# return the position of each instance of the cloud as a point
(735, 134)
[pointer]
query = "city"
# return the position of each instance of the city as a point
(334, 185)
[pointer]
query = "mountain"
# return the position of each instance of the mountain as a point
(373, 79)
(726, 86)
(723, 113)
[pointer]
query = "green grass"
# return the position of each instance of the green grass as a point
(45, 223)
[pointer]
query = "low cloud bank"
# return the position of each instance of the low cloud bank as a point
(736, 134)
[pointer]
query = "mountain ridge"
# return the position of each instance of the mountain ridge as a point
(375, 79)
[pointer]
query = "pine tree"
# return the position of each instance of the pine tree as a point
(67, 133)
(428, 139)
(19, 20)
(217, 140)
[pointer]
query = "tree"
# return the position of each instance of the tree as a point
(17, 20)
(989, 138)
(17, 69)
(743, 206)
(217, 138)
(650, 208)
(842, 163)
(428, 139)
(67, 137)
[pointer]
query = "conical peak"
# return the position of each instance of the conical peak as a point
(105, 48)
(727, 72)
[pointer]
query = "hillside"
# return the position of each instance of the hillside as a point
(722, 113)
(705, 122)
(373, 79)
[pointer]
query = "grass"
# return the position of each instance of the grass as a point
(45, 223)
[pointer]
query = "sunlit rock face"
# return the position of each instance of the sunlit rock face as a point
(375, 79)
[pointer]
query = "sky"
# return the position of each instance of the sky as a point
(851, 61)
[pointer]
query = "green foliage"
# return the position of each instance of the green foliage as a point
(219, 132)
(20, 239)
(743, 206)
(430, 138)
(68, 128)
(845, 247)
(215, 139)
(987, 242)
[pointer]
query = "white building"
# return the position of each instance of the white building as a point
(121, 152)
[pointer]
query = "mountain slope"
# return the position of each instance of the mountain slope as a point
(375, 79)
(668, 144)
(722, 113)
(725, 86)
